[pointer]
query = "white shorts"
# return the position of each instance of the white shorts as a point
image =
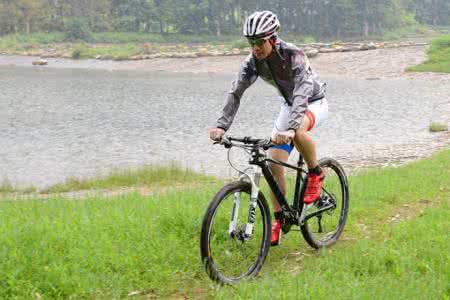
(317, 113)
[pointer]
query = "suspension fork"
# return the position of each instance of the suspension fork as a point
(254, 179)
(234, 213)
(253, 201)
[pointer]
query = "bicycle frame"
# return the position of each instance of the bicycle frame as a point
(293, 215)
(290, 212)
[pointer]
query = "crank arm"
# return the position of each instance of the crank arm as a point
(304, 217)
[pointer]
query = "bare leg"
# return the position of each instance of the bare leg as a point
(305, 144)
(278, 172)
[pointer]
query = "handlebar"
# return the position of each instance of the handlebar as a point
(250, 142)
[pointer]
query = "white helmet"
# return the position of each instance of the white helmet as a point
(261, 24)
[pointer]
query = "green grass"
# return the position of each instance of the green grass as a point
(438, 127)
(406, 261)
(438, 57)
(124, 45)
(137, 37)
(24, 41)
(107, 248)
(149, 176)
(6, 187)
(115, 52)
(146, 176)
(115, 45)
(411, 31)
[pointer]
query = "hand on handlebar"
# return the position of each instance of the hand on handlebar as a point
(283, 137)
(216, 134)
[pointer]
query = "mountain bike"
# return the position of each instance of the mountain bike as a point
(236, 229)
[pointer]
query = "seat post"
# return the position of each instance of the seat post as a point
(301, 161)
(298, 184)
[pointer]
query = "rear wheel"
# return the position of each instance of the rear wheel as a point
(324, 229)
(230, 255)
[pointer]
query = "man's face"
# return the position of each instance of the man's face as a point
(261, 48)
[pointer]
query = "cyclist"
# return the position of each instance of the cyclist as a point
(303, 107)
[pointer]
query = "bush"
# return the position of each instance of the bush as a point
(438, 57)
(309, 39)
(240, 44)
(78, 29)
(128, 24)
(100, 24)
(441, 43)
(438, 127)
(79, 51)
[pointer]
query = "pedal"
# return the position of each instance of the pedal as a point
(286, 227)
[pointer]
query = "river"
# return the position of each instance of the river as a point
(61, 123)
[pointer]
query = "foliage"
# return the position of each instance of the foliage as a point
(240, 44)
(78, 29)
(437, 127)
(309, 39)
(409, 32)
(78, 51)
(322, 19)
(438, 57)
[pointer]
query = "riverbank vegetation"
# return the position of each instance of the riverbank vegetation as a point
(438, 127)
(395, 245)
(438, 57)
(111, 30)
(149, 177)
(321, 19)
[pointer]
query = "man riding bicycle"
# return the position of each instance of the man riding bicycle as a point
(303, 107)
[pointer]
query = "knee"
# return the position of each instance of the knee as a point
(301, 134)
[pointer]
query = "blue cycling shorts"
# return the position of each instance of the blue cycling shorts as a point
(286, 147)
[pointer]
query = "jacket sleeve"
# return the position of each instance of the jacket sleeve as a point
(247, 76)
(303, 88)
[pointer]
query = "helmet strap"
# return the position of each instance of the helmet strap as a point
(273, 40)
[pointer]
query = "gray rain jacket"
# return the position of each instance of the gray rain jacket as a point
(287, 68)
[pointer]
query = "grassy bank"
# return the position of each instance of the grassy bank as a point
(113, 45)
(108, 248)
(438, 57)
(149, 176)
(126, 45)
(414, 31)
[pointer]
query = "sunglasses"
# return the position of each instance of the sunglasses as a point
(256, 42)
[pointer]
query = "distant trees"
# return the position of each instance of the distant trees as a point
(319, 18)
(434, 12)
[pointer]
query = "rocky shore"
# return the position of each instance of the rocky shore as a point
(391, 61)
(150, 52)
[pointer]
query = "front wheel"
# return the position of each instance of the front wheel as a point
(228, 253)
(324, 229)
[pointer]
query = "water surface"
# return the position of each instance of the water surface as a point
(61, 123)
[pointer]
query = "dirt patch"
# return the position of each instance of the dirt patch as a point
(411, 210)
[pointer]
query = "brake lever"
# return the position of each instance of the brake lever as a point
(224, 141)
(267, 144)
